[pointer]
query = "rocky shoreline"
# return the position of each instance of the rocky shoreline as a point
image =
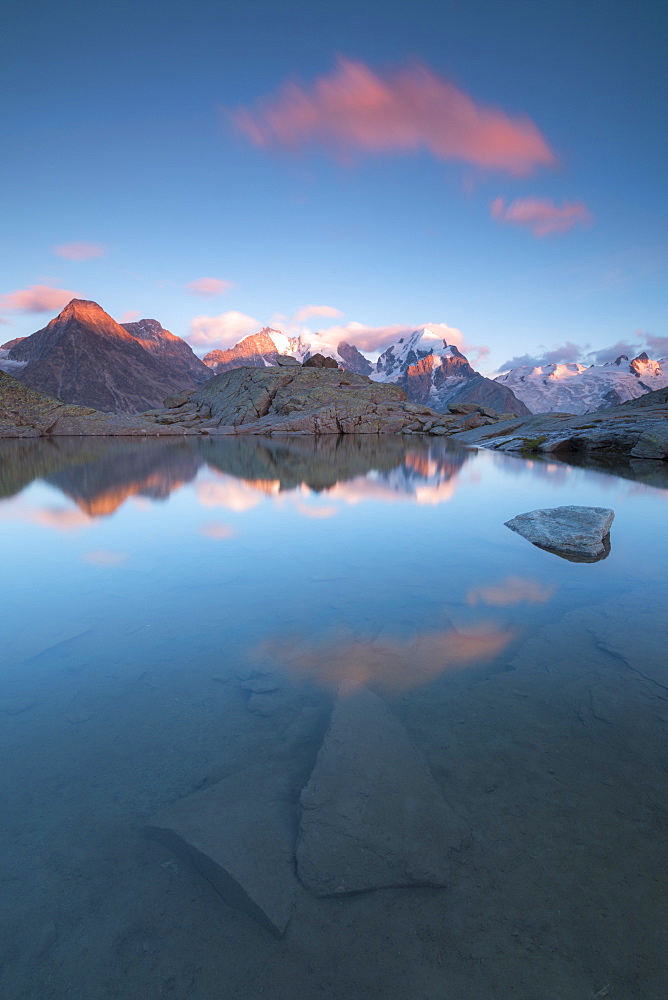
(294, 400)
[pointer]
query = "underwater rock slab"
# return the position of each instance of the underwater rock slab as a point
(239, 834)
(572, 531)
(372, 814)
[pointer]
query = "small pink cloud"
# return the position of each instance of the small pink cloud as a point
(37, 299)
(208, 288)
(80, 250)
(217, 531)
(102, 557)
(306, 312)
(129, 316)
(541, 215)
(355, 109)
(512, 590)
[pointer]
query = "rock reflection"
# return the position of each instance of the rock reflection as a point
(341, 659)
(100, 474)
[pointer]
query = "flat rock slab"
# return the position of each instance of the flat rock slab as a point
(240, 835)
(372, 814)
(579, 533)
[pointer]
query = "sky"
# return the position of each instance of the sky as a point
(495, 166)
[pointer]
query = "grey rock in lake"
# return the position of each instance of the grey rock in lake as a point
(239, 833)
(572, 532)
(372, 814)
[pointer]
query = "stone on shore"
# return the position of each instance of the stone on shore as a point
(372, 814)
(572, 532)
(239, 834)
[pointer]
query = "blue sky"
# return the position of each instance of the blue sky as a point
(119, 133)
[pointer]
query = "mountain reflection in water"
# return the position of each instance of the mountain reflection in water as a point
(100, 474)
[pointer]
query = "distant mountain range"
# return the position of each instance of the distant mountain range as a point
(431, 372)
(84, 356)
(577, 389)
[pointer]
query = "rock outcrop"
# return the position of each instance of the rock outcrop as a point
(85, 357)
(239, 834)
(637, 429)
(581, 534)
(289, 400)
(372, 814)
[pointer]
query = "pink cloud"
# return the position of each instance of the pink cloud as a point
(208, 288)
(37, 298)
(306, 312)
(541, 215)
(397, 111)
(377, 338)
(129, 316)
(222, 331)
(80, 250)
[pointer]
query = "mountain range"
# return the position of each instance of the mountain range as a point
(83, 356)
(579, 389)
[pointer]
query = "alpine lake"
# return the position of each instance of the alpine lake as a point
(181, 616)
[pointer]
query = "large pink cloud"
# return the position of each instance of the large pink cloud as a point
(36, 299)
(80, 250)
(355, 109)
(222, 331)
(541, 215)
(378, 338)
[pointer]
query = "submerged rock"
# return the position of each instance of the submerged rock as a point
(372, 814)
(239, 834)
(572, 532)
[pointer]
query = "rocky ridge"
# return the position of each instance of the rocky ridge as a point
(307, 400)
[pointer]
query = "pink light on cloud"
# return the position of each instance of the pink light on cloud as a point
(208, 288)
(37, 299)
(355, 109)
(541, 215)
(223, 331)
(307, 312)
(80, 250)
(377, 338)
(129, 316)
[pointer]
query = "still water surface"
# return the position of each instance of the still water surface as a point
(144, 583)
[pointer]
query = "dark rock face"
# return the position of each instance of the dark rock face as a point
(353, 360)
(25, 413)
(487, 392)
(11, 343)
(256, 351)
(320, 361)
(171, 349)
(84, 357)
